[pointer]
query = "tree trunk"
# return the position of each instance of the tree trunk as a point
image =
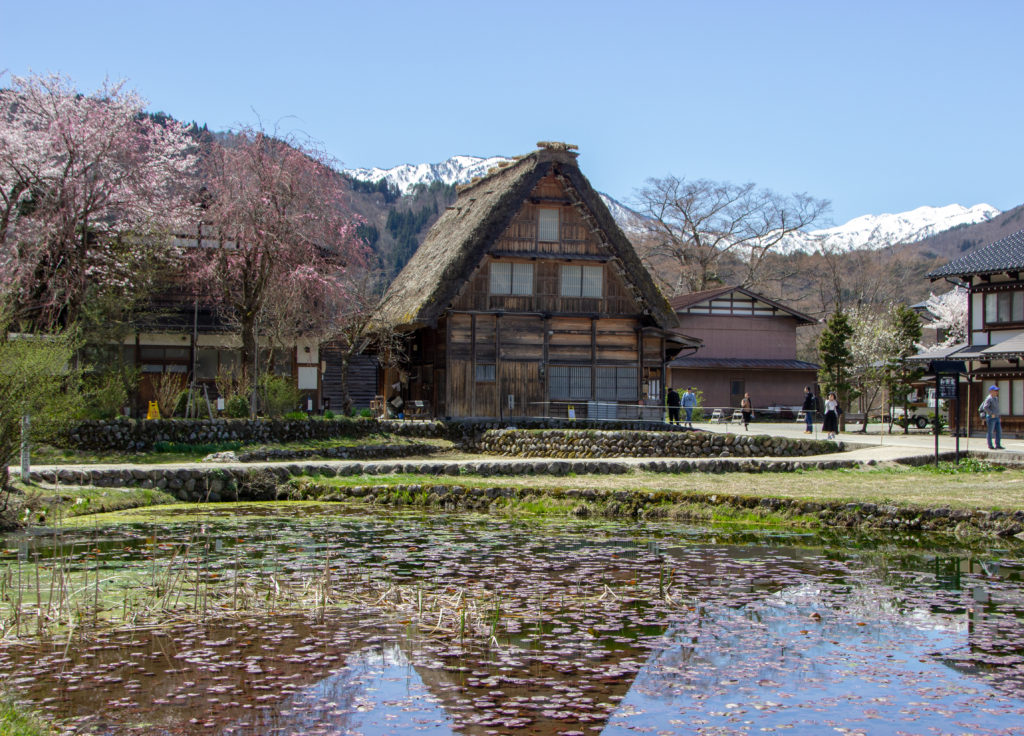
(346, 397)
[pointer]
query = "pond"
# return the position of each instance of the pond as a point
(326, 619)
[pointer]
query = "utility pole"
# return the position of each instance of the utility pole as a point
(25, 464)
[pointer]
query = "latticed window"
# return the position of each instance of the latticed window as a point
(569, 382)
(547, 226)
(616, 383)
(582, 281)
(514, 279)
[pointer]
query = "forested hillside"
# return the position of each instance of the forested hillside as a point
(395, 225)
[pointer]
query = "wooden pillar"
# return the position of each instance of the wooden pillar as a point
(497, 366)
(447, 363)
(640, 370)
(593, 359)
(472, 365)
(545, 367)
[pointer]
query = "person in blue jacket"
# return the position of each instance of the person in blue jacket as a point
(689, 402)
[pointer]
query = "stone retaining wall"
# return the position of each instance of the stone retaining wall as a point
(131, 435)
(369, 452)
(595, 444)
(259, 481)
(681, 506)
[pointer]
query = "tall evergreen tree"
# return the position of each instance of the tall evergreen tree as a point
(901, 372)
(834, 353)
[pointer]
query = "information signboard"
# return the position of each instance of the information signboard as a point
(948, 387)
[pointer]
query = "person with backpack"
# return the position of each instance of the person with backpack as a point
(689, 402)
(810, 405)
(989, 411)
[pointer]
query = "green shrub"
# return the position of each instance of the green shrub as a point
(19, 720)
(200, 408)
(278, 395)
(296, 416)
(366, 413)
(105, 395)
(237, 407)
(328, 414)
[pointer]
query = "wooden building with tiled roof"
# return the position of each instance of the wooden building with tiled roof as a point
(527, 299)
(994, 351)
(748, 346)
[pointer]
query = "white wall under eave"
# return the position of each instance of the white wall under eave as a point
(302, 357)
(228, 341)
(977, 312)
(167, 339)
(998, 336)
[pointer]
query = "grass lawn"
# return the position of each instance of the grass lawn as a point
(38, 505)
(18, 721)
(178, 453)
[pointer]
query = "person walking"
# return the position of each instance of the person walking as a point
(747, 409)
(689, 402)
(673, 406)
(989, 411)
(830, 423)
(810, 405)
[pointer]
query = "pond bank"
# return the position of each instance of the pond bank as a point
(674, 505)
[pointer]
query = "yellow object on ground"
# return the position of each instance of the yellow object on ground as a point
(154, 411)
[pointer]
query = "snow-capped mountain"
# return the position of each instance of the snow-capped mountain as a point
(460, 170)
(867, 231)
(878, 231)
(456, 170)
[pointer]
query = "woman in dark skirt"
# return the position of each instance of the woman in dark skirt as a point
(831, 423)
(747, 409)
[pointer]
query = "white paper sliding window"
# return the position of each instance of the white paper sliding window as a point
(547, 226)
(582, 281)
(569, 382)
(1004, 307)
(511, 279)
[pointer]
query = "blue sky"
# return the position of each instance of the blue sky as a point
(877, 106)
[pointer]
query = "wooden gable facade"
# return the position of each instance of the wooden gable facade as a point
(548, 312)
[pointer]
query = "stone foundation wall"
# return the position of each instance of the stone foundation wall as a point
(260, 481)
(584, 502)
(140, 435)
(131, 435)
(599, 444)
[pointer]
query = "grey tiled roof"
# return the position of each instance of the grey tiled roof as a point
(1003, 255)
(749, 363)
(1013, 346)
(960, 351)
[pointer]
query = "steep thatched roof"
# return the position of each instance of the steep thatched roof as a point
(457, 243)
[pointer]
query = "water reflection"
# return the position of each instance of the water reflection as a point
(540, 629)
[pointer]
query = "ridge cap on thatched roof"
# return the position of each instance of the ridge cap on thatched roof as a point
(454, 246)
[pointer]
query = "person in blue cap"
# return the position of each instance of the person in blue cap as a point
(989, 411)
